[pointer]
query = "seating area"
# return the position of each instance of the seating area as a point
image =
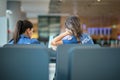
(59, 39)
(73, 62)
(24, 63)
(94, 64)
(63, 58)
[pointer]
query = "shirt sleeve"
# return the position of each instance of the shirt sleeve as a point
(66, 41)
(69, 40)
(34, 41)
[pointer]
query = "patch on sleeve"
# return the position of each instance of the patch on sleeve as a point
(85, 40)
(69, 38)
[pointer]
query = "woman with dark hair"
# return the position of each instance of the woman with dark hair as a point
(73, 33)
(23, 32)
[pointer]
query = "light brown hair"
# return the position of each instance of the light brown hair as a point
(73, 23)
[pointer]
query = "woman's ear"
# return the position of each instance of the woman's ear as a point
(28, 30)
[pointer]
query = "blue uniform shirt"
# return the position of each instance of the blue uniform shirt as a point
(25, 40)
(84, 38)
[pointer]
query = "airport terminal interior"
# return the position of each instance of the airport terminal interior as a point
(98, 18)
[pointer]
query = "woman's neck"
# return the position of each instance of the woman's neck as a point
(25, 34)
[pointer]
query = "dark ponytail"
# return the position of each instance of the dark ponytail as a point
(20, 28)
(17, 31)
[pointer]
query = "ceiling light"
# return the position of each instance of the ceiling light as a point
(59, 0)
(98, 0)
(114, 26)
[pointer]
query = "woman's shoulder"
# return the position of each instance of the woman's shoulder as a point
(85, 35)
(25, 41)
(68, 37)
(86, 39)
(34, 41)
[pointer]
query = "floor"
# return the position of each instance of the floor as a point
(51, 70)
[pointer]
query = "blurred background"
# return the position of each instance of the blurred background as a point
(99, 18)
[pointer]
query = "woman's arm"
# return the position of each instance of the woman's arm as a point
(58, 40)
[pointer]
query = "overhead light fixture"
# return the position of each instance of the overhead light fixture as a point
(59, 0)
(99, 0)
(114, 26)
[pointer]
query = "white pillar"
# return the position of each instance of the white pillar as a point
(3, 23)
(15, 8)
(2, 8)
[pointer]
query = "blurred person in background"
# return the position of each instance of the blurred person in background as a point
(23, 32)
(73, 34)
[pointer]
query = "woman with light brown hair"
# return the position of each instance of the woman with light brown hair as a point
(73, 33)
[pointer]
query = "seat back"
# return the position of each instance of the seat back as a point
(24, 64)
(94, 64)
(24, 46)
(51, 53)
(62, 59)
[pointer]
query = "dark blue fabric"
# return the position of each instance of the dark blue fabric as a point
(84, 38)
(25, 40)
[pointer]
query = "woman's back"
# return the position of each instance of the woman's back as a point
(71, 39)
(23, 33)
(73, 33)
(25, 40)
